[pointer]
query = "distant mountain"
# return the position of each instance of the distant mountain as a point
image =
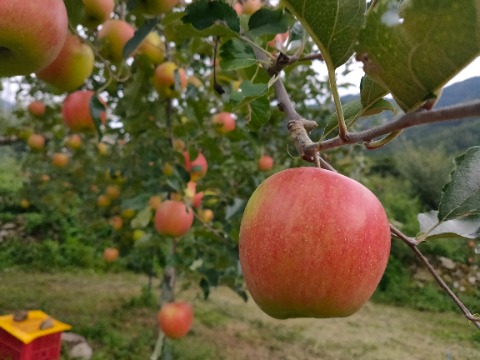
(460, 92)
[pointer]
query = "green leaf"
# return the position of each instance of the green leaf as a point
(204, 13)
(333, 24)
(138, 37)
(370, 91)
(269, 22)
(260, 113)
(235, 54)
(414, 48)
(142, 219)
(461, 196)
(248, 92)
(96, 110)
(430, 227)
(235, 208)
(75, 11)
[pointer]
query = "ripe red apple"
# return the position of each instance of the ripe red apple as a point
(110, 254)
(173, 218)
(265, 163)
(116, 222)
(112, 37)
(36, 141)
(32, 34)
(312, 243)
(238, 8)
(97, 12)
(251, 6)
(72, 66)
(153, 48)
(224, 122)
(197, 168)
(164, 79)
(76, 111)
(175, 319)
(37, 108)
(278, 41)
(60, 160)
(156, 7)
(192, 194)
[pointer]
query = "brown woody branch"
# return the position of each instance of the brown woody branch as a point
(9, 140)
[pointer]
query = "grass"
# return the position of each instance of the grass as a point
(118, 318)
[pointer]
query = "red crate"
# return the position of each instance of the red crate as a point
(43, 348)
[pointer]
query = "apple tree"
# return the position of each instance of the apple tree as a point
(163, 117)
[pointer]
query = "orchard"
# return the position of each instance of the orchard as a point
(206, 144)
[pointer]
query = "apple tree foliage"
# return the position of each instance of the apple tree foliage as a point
(409, 49)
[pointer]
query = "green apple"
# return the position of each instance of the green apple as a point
(164, 79)
(32, 34)
(72, 66)
(97, 12)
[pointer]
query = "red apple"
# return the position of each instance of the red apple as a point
(197, 168)
(37, 108)
(60, 160)
(116, 222)
(36, 141)
(112, 191)
(32, 34)
(72, 66)
(265, 163)
(110, 254)
(164, 79)
(192, 194)
(112, 37)
(238, 8)
(251, 6)
(278, 41)
(224, 122)
(173, 218)
(76, 111)
(97, 11)
(312, 243)
(175, 319)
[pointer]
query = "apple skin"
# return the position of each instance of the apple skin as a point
(103, 201)
(32, 34)
(74, 142)
(37, 108)
(110, 254)
(251, 6)
(175, 319)
(36, 141)
(164, 79)
(72, 66)
(224, 122)
(312, 243)
(97, 12)
(60, 160)
(173, 218)
(76, 111)
(153, 48)
(197, 168)
(265, 163)
(112, 37)
(238, 8)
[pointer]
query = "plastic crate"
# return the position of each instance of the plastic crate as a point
(26, 341)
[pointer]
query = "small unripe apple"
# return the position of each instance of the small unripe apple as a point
(197, 168)
(128, 213)
(116, 222)
(154, 201)
(223, 122)
(110, 254)
(112, 191)
(45, 178)
(167, 169)
(153, 48)
(76, 111)
(312, 243)
(164, 79)
(179, 144)
(60, 160)
(24, 203)
(97, 12)
(251, 6)
(206, 215)
(37, 108)
(102, 148)
(74, 142)
(175, 319)
(103, 201)
(138, 234)
(112, 38)
(265, 163)
(32, 34)
(173, 218)
(36, 141)
(72, 66)
(278, 41)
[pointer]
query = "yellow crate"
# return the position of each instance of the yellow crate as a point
(29, 329)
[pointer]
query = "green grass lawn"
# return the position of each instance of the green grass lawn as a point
(119, 321)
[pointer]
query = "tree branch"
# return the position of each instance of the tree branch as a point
(9, 140)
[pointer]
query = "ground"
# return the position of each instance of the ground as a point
(120, 323)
